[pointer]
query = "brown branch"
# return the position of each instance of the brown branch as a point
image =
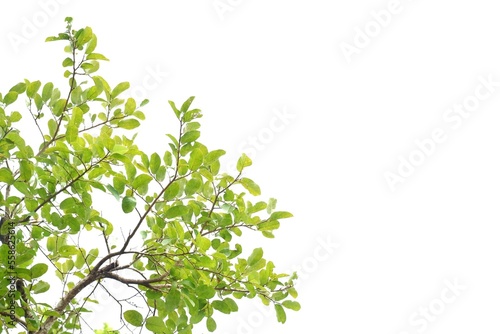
(17, 319)
(66, 300)
(143, 282)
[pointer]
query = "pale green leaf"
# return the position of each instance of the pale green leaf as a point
(252, 187)
(280, 313)
(255, 256)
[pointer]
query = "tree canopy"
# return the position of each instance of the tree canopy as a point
(174, 247)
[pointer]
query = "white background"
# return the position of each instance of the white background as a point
(352, 118)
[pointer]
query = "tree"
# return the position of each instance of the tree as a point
(175, 244)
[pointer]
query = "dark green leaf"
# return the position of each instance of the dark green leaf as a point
(128, 204)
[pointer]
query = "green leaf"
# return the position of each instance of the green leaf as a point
(280, 215)
(130, 170)
(133, 317)
(280, 313)
(211, 324)
(15, 116)
(47, 91)
(203, 243)
(172, 300)
(213, 156)
(58, 107)
(190, 136)
(67, 62)
(192, 186)
(93, 253)
(67, 204)
(128, 204)
(92, 44)
(243, 161)
(255, 256)
(176, 211)
(32, 88)
(129, 106)
(141, 181)
(18, 88)
(97, 56)
(220, 306)
(231, 304)
(120, 88)
(154, 162)
(71, 133)
(40, 287)
(10, 97)
(171, 191)
(195, 159)
(6, 175)
(185, 105)
(292, 305)
(271, 205)
(156, 325)
(205, 291)
(129, 124)
(269, 225)
(174, 108)
(38, 270)
(26, 170)
(119, 149)
(252, 187)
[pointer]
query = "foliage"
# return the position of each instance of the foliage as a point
(176, 246)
